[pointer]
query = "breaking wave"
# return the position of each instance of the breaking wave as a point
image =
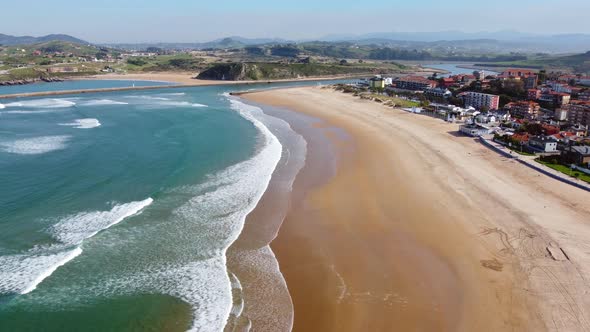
(35, 145)
(74, 229)
(102, 102)
(83, 123)
(43, 103)
(22, 273)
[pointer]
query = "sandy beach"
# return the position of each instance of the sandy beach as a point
(182, 79)
(421, 229)
(187, 78)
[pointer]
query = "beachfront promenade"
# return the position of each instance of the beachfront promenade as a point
(530, 162)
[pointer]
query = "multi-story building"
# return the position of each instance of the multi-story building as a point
(480, 100)
(523, 109)
(516, 72)
(438, 93)
(556, 98)
(560, 87)
(560, 114)
(414, 83)
(585, 95)
(543, 144)
(528, 77)
(534, 94)
(578, 113)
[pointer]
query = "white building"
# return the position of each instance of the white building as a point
(481, 100)
(474, 130)
(543, 144)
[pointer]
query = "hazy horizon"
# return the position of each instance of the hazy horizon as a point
(151, 21)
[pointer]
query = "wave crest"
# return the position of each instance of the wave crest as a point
(35, 145)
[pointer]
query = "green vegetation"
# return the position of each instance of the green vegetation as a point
(365, 93)
(578, 63)
(181, 62)
(375, 52)
(565, 170)
(394, 101)
(264, 71)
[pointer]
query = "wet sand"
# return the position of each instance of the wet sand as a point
(421, 229)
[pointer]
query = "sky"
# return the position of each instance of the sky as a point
(127, 21)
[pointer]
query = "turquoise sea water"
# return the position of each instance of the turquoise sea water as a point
(76, 85)
(117, 208)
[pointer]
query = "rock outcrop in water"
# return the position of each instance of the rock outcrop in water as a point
(30, 81)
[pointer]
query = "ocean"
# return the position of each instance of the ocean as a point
(117, 209)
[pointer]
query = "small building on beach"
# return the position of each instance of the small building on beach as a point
(377, 82)
(475, 130)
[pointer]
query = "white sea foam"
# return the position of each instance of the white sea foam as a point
(43, 103)
(180, 104)
(83, 123)
(150, 98)
(102, 102)
(206, 225)
(35, 145)
(2, 106)
(163, 101)
(32, 112)
(173, 94)
(229, 196)
(74, 229)
(22, 273)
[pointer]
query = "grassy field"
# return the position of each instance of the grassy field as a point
(396, 102)
(566, 170)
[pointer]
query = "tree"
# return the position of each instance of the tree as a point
(542, 75)
(101, 55)
(152, 49)
(136, 61)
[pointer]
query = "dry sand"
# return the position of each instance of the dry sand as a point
(184, 78)
(425, 230)
(187, 78)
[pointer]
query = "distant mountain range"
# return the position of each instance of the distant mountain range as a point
(229, 42)
(506, 40)
(497, 42)
(8, 40)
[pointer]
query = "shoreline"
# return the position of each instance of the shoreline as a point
(179, 84)
(459, 262)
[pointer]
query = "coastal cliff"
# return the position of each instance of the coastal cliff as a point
(273, 71)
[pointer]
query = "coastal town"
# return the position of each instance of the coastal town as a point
(539, 117)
